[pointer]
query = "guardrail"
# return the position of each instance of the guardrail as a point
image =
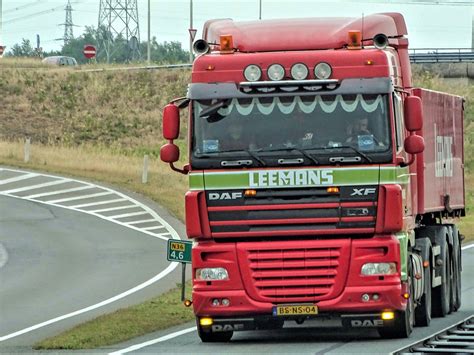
(441, 55)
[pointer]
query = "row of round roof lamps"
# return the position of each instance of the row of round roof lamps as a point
(298, 71)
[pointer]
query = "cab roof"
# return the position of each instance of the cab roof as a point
(303, 33)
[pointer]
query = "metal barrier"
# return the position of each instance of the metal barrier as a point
(441, 55)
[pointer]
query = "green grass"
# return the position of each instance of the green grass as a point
(156, 314)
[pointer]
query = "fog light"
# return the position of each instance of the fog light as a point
(215, 302)
(375, 297)
(205, 321)
(365, 297)
(225, 302)
(388, 315)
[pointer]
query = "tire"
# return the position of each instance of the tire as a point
(441, 295)
(207, 336)
(423, 310)
(457, 268)
(405, 320)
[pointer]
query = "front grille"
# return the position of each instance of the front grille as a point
(288, 212)
(281, 272)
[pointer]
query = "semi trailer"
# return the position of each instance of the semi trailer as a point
(322, 185)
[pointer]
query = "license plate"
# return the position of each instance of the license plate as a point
(295, 310)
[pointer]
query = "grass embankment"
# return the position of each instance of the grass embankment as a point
(124, 324)
(98, 126)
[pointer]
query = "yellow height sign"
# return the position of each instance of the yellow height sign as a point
(179, 250)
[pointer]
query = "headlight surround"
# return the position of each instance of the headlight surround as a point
(212, 274)
(252, 72)
(299, 71)
(370, 269)
(276, 72)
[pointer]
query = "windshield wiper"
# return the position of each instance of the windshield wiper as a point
(249, 153)
(211, 110)
(289, 149)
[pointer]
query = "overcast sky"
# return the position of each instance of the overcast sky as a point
(430, 25)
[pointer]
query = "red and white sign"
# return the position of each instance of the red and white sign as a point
(2, 48)
(89, 51)
(192, 33)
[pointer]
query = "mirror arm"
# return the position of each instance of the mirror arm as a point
(404, 164)
(184, 170)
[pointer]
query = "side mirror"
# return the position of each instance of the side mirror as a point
(171, 122)
(414, 144)
(413, 112)
(169, 153)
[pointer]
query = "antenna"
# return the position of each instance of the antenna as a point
(362, 33)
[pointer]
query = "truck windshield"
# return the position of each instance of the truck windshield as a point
(321, 125)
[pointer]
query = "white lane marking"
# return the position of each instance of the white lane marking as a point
(113, 208)
(3, 256)
(156, 217)
(156, 278)
(33, 187)
(141, 221)
(153, 228)
(128, 215)
(18, 178)
(469, 246)
(160, 234)
(82, 197)
(99, 203)
(57, 192)
(154, 341)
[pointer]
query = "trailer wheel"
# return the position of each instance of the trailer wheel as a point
(207, 336)
(423, 310)
(457, 268)
(441, 295)
(405, 320)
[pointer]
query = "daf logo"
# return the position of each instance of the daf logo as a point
(226, 327)
(225, 196)
(367, 323)
(363, 191)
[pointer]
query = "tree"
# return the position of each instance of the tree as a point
(23, 50)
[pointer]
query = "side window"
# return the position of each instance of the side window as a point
(399, 125)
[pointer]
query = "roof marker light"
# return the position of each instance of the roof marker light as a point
(252, 73)
(276, 72)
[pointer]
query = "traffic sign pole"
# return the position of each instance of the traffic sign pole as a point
(183, 282)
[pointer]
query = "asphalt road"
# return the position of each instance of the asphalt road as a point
(305, 339)
(54, 261)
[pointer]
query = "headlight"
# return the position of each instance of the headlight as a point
(322, 71)
(252, 73)
(276, 72)
(212, 273)
(379, 269)
(299, 71)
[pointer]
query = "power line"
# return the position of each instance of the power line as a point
(33, 15)
(22, 7)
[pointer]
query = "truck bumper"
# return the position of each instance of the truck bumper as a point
(359, 294)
